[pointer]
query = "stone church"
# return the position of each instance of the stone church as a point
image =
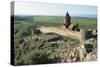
(68, 24)
(67, 20)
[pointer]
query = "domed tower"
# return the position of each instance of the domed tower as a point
(67, 20)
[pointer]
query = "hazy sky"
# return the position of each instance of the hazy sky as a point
(31, 8)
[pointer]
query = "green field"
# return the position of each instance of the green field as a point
(58, 21)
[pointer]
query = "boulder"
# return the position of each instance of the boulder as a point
(92, 56)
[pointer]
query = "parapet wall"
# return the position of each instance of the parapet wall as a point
(61, 31)
(81, 35)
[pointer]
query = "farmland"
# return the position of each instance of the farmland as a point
(84, 22)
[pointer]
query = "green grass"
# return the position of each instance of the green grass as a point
(58, 21)
(86, 22)
(33, 57)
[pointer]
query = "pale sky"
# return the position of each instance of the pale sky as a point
(31, 8)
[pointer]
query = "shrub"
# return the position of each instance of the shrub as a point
(34, 57)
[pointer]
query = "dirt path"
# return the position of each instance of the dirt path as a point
(61, 31)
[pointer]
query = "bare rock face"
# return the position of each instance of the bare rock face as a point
(91, 56)
(77, 54)
(83, 53)
(90, 50)
(74, 55)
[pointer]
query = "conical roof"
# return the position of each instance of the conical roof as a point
(67, 15)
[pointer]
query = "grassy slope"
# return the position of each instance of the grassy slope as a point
(57, 21)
